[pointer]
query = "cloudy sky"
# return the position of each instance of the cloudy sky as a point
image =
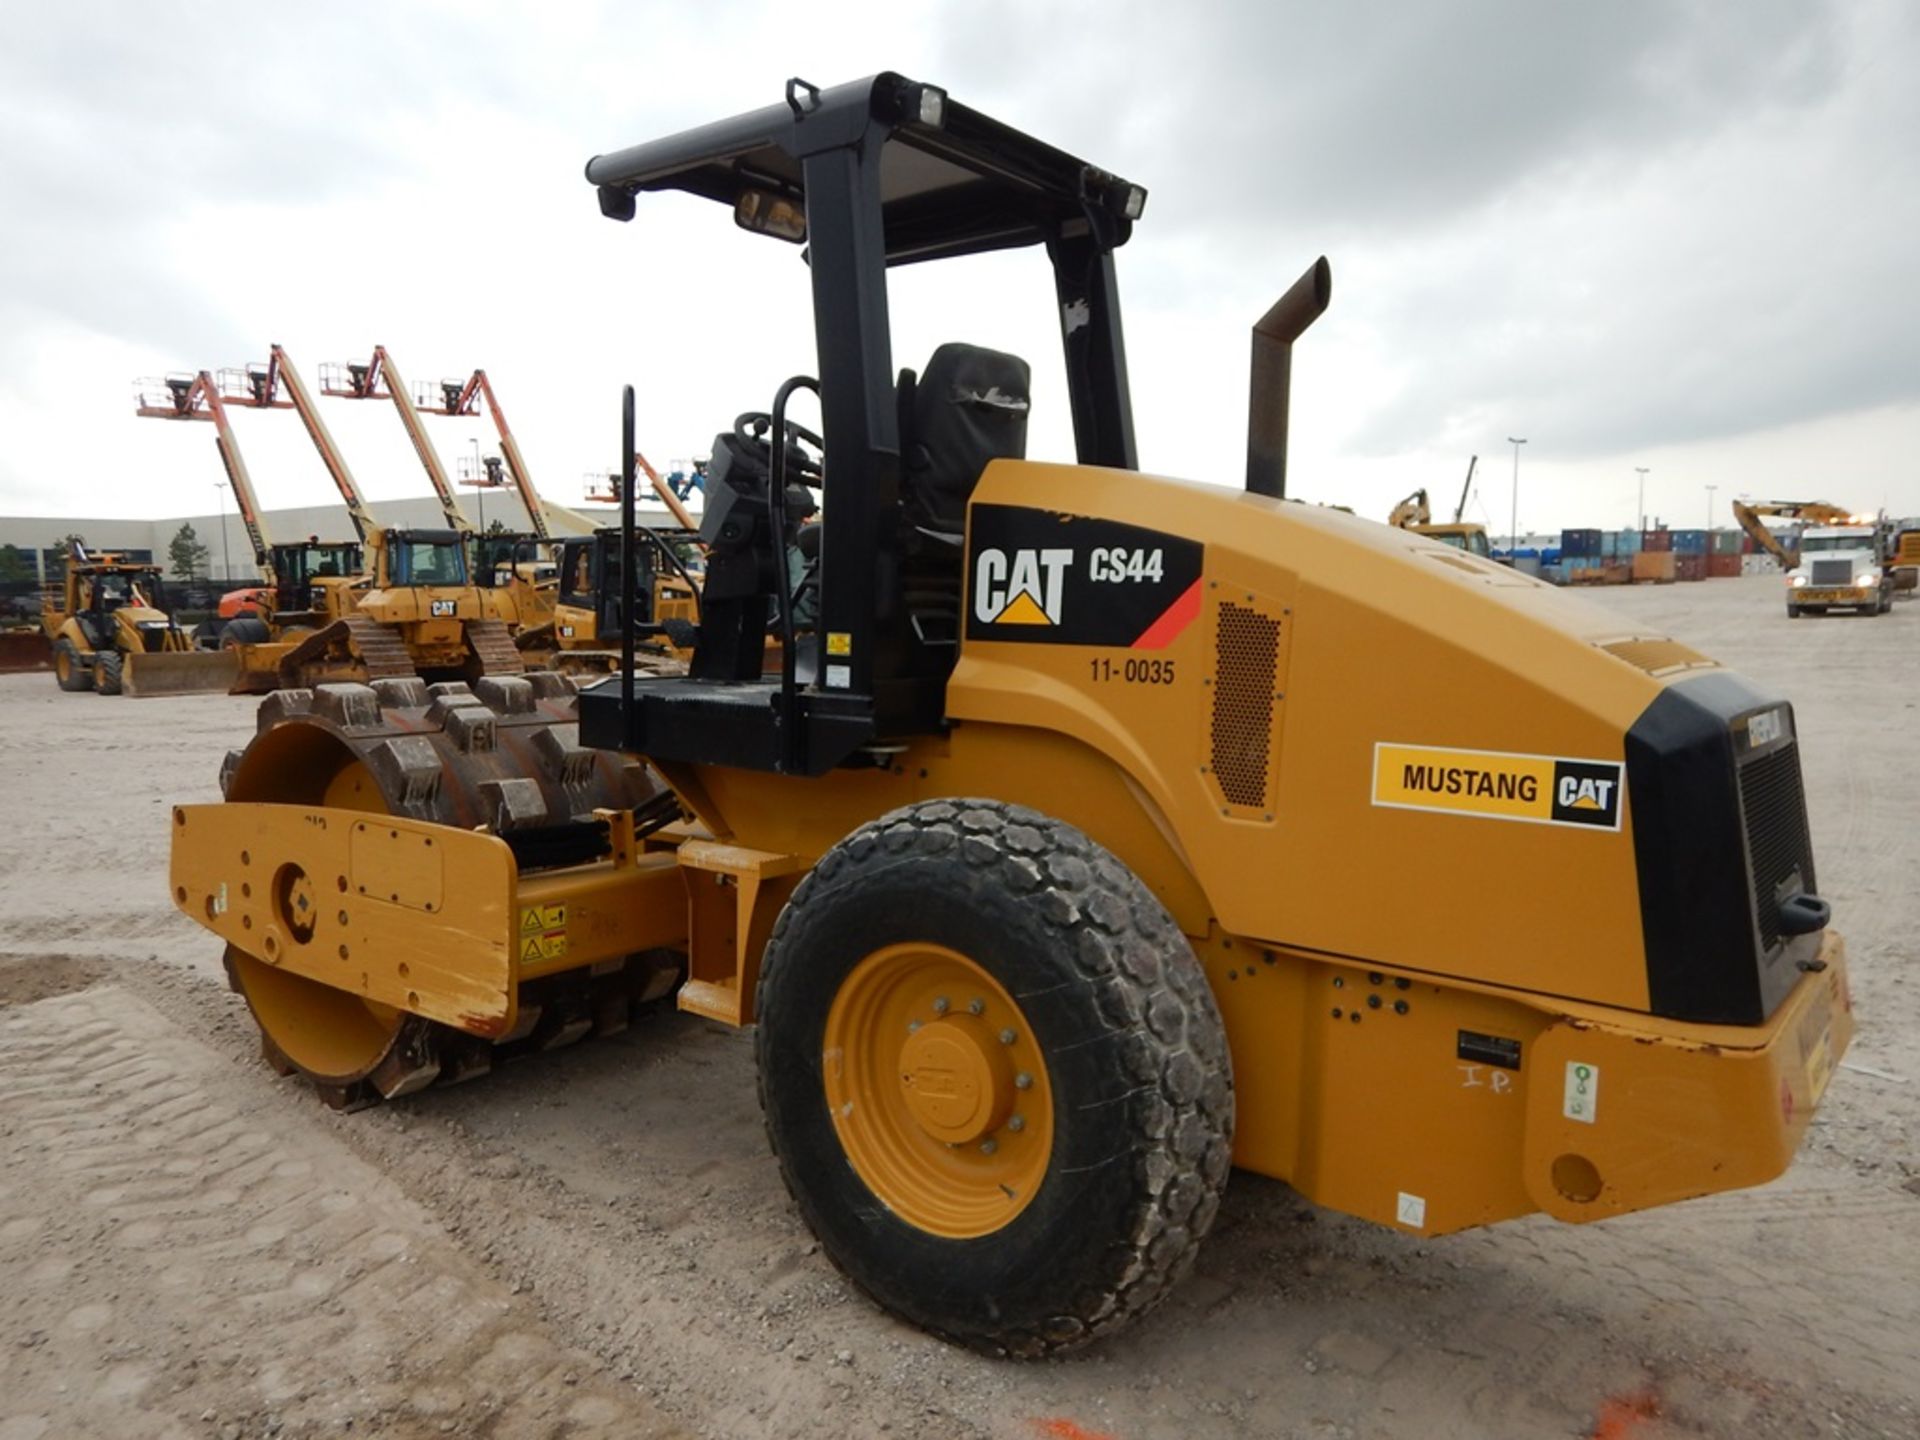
(1678, 235)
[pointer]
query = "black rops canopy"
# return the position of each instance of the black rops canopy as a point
(952, 181)
(879, 172)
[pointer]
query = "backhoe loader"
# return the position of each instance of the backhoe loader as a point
(110, 629)
(1048, 866)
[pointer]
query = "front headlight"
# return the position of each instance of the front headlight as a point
(1796, 581)
(1868, 578)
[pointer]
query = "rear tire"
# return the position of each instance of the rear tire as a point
(108, 667)
(245, 630)
(1135, 1091)
(1793, 612)
(70, 672)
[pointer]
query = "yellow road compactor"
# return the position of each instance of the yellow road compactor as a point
(1100, 831)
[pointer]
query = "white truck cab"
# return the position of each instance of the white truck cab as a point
(1840, 567)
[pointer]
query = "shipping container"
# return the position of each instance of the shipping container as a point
(1654, 567)
(1689, 565)
(1580, 542)
(1727, 542)
(1722, 566)
(1690, 542)
(1660, 540)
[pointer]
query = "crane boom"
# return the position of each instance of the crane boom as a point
(365, 382)
(1749, 517)
(196, 397)
(1460, 510)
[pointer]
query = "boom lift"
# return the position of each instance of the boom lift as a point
(419, 613)
(308, 583)
(523, 563)
(1049, 865)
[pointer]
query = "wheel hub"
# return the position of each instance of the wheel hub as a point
(957, 1082)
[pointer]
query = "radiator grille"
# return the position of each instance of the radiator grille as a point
(1832, 572)
(1246, 657)
(1779, 850)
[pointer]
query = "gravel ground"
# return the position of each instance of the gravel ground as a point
(596, 1242)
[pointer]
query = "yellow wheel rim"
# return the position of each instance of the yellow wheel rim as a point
(938, 1090)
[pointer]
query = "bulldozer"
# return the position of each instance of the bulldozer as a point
(110, 629)
(1048, 866)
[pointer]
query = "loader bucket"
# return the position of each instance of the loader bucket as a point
(181, 672)
(22, 650)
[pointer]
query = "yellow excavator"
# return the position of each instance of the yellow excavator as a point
(1751, 516)
(1415, 514)
(1048, 866)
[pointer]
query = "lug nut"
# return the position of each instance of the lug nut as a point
(941, 1006)
(1006, 1037)
(977, 1005)
(912, 1025)
(987, 1147)
(1017, 1123)
(1023, 1081)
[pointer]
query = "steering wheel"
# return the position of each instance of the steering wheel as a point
(754, 429)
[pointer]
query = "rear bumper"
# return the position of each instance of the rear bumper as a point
(1622, 1117)
(1434, 1106)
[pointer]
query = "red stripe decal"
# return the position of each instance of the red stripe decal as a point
(1175, 618)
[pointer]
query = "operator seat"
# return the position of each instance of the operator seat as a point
(967, 408)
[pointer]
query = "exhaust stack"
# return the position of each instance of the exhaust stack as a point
(1273, 341)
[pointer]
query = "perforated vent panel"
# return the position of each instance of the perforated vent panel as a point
(1246, 659)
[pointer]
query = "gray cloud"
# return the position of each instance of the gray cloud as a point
(1623, 224)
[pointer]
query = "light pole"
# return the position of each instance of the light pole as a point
(1641, 471)
(1710, 490)
(226, 554)
(1513, 518)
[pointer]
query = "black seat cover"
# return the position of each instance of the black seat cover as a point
(969, 406)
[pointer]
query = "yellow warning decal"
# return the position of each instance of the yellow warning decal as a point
(543, 933)
(1499, 785)
(839, 642)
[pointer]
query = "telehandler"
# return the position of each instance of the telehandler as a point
(1050, 864)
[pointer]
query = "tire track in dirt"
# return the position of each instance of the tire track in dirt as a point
(217, 1270)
